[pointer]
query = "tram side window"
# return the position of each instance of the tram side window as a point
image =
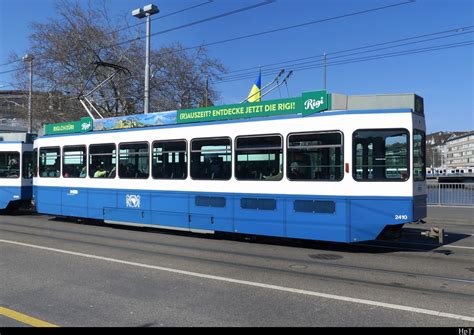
(74, 162)
(49, 162)
(259, 157)
(28, 165)
(9, 164)
(211, 158)
(134, 160)
(315, 156)
(169, 160)
(380, 155)
(102, 160)
(419, 155)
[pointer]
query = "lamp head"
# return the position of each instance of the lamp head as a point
(138, 13)
(28, 58)
(150, 9)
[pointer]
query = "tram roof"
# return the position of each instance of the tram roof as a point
(310, 104)
(16, 137)
(255, 119)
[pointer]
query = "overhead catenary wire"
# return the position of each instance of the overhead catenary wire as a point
(368, 58)
(160, 17)
(270, 70)
(225, 14)
(458, 29)
(321, 57)
(373, 57)
(285, 28)
(134, 25)
(264, 2)
(190, 24)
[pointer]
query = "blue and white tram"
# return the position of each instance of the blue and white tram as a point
(341, 175)
(16, 173)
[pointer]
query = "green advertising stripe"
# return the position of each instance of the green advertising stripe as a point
(60, 128)
(307, 104)
(255, 109)
(84, 125)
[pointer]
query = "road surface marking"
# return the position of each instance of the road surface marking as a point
(401, 247)
(23, 318)
(255, 284)
(459, 247)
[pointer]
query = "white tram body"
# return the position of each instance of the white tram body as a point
(349, 204)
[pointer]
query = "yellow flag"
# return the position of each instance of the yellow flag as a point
(254, 95)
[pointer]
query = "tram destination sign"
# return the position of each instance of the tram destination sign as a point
(82, 126)
(308, 103)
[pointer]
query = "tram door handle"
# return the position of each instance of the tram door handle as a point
(347, 167)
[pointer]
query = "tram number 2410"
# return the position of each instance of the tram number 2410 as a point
(401, 217)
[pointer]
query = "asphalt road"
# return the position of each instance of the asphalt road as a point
(73, 274)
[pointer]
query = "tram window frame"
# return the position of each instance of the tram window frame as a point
(27, 170)
(84, 161)
(354, 156)
(9, 172)
(183, 165)
(138, 174)
(35, 162)
(228, 152)
(422, 141)
(56, 165)
(262, 150)
(316, 170)
(92, 160)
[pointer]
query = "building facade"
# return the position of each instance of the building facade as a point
(459, 152)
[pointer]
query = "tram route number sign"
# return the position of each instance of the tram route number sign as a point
(82, 126)
(308, 103)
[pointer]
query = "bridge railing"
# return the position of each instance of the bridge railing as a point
(451, 194)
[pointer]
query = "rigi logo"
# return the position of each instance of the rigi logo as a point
(313, 103)
(85, 126)
(132, 200)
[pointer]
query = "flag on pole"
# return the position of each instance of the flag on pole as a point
(254, 95)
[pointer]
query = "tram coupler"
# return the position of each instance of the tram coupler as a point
(435, 232)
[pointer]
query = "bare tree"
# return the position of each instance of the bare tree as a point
(69, 46)
(179, 77)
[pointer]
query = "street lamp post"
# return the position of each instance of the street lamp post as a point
(140, 13)
(29, 59)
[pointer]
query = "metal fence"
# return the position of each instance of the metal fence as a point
(451, 194)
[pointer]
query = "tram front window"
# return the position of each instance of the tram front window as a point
(380, 155)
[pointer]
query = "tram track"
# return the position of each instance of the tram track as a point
(300, 268)
(378, 244)
(321, 245)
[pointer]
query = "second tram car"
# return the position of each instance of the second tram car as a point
(16, 170)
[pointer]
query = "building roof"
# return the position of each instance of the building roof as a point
(464, 134)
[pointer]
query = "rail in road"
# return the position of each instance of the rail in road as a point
(70, 274)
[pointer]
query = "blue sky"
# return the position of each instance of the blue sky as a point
(444, 78)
